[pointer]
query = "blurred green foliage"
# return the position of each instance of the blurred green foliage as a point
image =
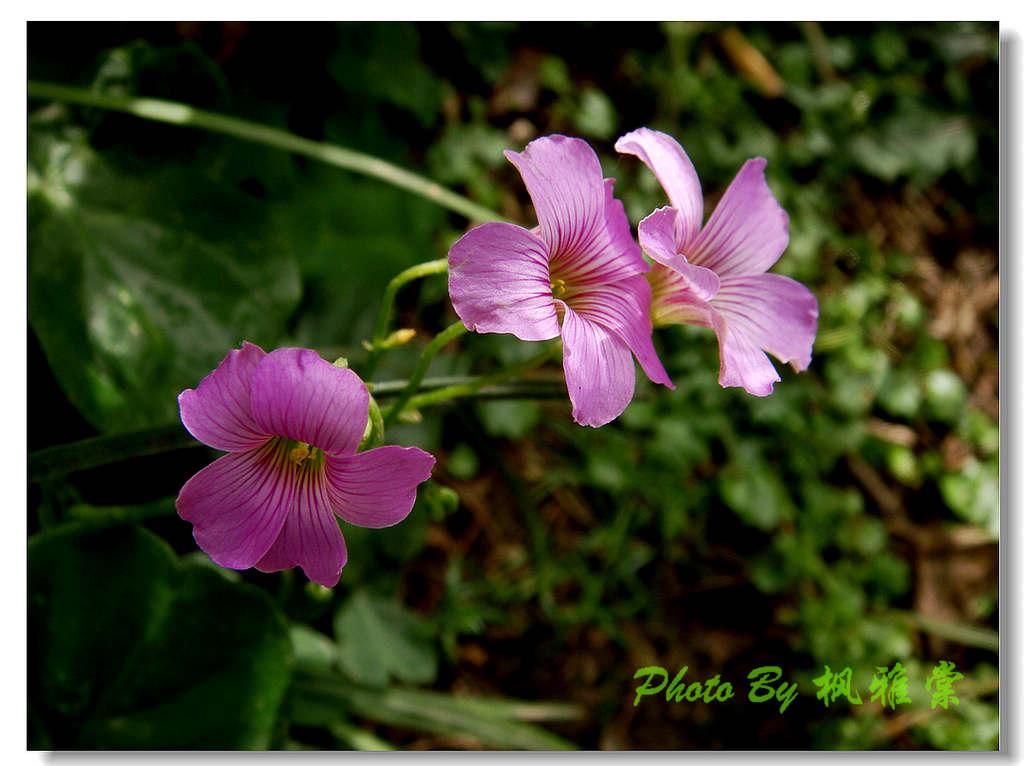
(851, 518)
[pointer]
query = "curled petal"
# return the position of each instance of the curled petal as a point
(498, 281)
(624, 308)
(218, 411)
(598, 368)
(742, 362)
(674, 171)
(310, 537)
(672, 300)
(377, 488)
(748, 230)
(657, 238)
(298, 395)
(238, 504)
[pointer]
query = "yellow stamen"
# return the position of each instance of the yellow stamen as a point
(300, 453)
(557, 287)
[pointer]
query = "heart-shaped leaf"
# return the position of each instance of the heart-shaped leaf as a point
(140, 283)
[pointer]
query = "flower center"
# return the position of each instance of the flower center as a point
(557, 287)
(303, 455)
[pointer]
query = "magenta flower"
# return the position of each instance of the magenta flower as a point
(579, 274)
(291, 423)
(715, 276)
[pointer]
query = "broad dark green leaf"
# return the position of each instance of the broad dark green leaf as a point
(129, 649)
(140, 283)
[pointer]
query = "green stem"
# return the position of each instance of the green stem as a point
(176, 113)
(440, 266)
(472, 386)
(88, 517)
(101, 450)
(543, 389)
(516, 389)
(440, 341)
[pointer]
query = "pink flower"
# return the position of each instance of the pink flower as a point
(715, 276)
(579, 274)
(291, 423)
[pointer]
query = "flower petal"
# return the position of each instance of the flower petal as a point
(498, 281)
(377, 488)
(674, 171)
(672, 300)
(777, 313)
(584, 226)
(598, 368)
(310, 537)
(298, 395)
(624, 308)
(238, 504)
(610, 256)
(765, 312)
(218, 411)
(742, 362)
(564, 179)
(748, 230)
(657, 238)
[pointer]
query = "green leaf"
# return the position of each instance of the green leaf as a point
(973, 493)
(463, 462)
(379, 639)
(900, 393)
(358, 739)
(313, 650)
(914, 140)
(754, 491)
(945, 394)
(132, 650)
(140, 283)
(596, 114)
